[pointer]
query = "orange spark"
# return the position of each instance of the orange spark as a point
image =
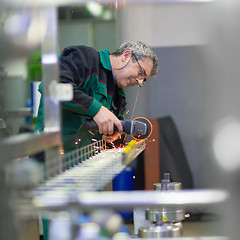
(127, 111)
(91, 132)
(61, 151)
(135, 104)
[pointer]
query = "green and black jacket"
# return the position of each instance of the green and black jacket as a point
(89, 71)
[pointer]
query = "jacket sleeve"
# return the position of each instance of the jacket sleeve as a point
(76, 65)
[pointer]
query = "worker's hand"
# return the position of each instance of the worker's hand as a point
(106, 120)
(111, 138)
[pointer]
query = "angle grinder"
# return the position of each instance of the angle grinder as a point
(139, 128)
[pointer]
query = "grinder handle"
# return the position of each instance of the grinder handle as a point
(127, 126)
(91, 125)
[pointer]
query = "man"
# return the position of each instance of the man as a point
(98, 79)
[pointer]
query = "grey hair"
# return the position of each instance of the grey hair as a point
(141, 50)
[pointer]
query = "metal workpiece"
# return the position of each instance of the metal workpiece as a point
(167, 177)
(90, 175)
(166, 219)
(168, 230)
(88, 164)
(89, 168)
(165, 214)
(132, 150)
(170, 186)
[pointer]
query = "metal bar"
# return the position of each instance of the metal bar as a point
(18, 112)
(90, 175)
(19, 3)
(27, 143)
(190, 238)
(131, 199)
(95, 166)
(50, 72)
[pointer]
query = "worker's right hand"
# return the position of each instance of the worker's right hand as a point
(106, 120)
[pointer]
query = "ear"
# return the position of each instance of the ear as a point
(126, 55)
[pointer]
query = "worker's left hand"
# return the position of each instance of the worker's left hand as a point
(111, 138)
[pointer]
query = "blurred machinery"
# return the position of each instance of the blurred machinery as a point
(66, 189)
(70, 198)
(166, 220)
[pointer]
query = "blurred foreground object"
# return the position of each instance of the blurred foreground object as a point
(227, 144)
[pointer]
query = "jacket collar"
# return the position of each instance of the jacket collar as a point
(105, 59)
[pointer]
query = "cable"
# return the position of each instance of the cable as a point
(123, 66)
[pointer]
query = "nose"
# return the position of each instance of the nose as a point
(139, 81)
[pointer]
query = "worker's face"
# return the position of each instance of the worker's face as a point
(134, 72)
